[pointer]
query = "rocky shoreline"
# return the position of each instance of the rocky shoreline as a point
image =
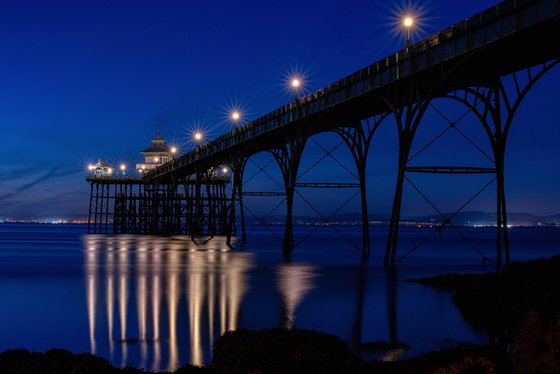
(520, 308)
(241, 352)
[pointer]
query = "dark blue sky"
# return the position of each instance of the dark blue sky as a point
(92, 79)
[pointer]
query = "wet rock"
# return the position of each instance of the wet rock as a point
(521, 307)
(536, 346)
(283, 351)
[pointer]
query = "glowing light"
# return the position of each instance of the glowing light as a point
(122, 167)
(408, 22)
(109, 170)
(235, 116)
(140, 170)
(173, 150)
(295, 83)
(198, 136)
(156, 159)
(90, 167)
(143, 167)
(224, 170)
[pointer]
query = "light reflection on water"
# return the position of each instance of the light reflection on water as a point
(294, 282)
(159, 303)
(174, 298)
(155, 277)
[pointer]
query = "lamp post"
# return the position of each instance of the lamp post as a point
(123, 168)
(408, 22)
(295, 86)
(173, 152)
(197, 137)
(235, 117)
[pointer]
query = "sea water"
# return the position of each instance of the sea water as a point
(158, 303)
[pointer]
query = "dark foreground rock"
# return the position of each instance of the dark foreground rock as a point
(270, 351)
(283, 351)
(61, 361)
(466, 358)
(521, 307)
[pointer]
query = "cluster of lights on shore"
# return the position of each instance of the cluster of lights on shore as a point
(236, 115)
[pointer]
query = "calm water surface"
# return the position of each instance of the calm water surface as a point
(158, 303)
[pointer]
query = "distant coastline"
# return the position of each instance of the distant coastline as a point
(464, 219)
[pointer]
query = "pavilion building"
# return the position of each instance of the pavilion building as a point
(157, 154)
(101, 169)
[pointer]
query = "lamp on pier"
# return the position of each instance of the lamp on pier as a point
(235, 117)
(408, 22)
(296, 83)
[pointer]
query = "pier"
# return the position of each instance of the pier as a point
(489, 63)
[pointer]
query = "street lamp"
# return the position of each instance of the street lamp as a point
(235, 117)
(408, 22)
(123, 168)
(173, 150)
(197, 136)
(296, 83)
(224, 170)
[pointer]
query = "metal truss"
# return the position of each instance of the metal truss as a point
(408, 113)
(495, 109)
(499, 107)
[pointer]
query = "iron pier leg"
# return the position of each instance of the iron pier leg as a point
(89, 212)
(288, 159)
(409, 127)
(366, 244)
(231, 221)
(239, 185)
(107, 208)
(288, 243)
(101, 208)
(358, 138)
(392, 239)
(408, 116)
(96, 206)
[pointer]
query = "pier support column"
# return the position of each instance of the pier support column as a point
(358, 139)
(408, 115)
(171, 205)
(238, 171)
(288, 159)
(90, 205)
(237, 167)
(198, 209)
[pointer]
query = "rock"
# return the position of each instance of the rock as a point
(283, 351)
